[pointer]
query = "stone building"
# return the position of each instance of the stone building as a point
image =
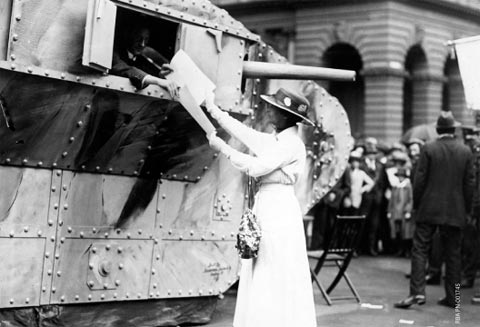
(406, 73)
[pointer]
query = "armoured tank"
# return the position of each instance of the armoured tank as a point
(114, 211)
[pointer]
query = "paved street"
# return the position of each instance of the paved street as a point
(380, 282)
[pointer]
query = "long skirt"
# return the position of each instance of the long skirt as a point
(275, 288)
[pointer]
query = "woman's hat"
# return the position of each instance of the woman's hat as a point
(446, 120)
(290, 102)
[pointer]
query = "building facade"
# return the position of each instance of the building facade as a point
(406, 72)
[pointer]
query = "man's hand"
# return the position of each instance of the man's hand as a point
(171, 86)
(165, 70)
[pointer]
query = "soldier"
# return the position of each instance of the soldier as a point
(142, 64)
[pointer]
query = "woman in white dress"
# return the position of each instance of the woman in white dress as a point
(275, 288)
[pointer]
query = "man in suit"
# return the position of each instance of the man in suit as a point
(142, 64)
(442, 196)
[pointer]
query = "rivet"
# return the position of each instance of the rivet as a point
(44, 289)
(158, 257)
(139, 295)
(52, 238)
(117, 282)
(106, 236)
(29, 69)
(39, 233)
(13, 66)
(59, 273)
(81, 234)
(94, 250)
(115, 295)
(79, 123)
(120, 249)
(153, 271)
(120, 266)
(15, 37)
(62, 76)
(25, 161)
(163, 196)
(105, 286)
(91, 266)
(62, 240)
(77, 297)
(77, 78)
(47, 73)
(128, 235)
(7, 160)
(65, 206)
(139, 231)
(91, 283)
(57, 256)
(25, 229)
(12, 301)
(89, 296)
(108, 246)
(94, 230)
(27, 300)
(54, 289)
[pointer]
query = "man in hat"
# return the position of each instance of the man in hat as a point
(143, 65)
(442, 194)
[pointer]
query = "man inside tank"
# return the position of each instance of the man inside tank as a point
(143, 65)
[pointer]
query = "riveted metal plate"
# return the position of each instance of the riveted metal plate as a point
(81, 128)
(126, 267)
(51, 234)
(193, 208)
(103, 206)
(212, 268)
(21, 271)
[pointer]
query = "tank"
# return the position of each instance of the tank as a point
(114, 211)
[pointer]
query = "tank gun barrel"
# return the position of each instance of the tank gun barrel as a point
(256, 69)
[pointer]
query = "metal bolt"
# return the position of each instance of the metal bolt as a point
(39, 233)
(54, 289)
(65, 206)
(12, 301)
(77, 297)
(90, 265)
(117, 282)
(69, 229)
(120, 249)
(59, 273)
(25, 229)
(81, 234)
(120, 266)
(57, 256)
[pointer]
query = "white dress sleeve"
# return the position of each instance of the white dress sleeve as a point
(280, 153)
(256, 141)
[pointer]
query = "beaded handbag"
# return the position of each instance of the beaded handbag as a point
(249, 233)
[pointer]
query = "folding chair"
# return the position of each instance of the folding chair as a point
(339, 247)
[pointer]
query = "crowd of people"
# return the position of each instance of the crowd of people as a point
(379, 183)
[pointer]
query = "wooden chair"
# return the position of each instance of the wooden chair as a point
(339, 247)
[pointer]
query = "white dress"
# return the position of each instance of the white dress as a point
(275, 289)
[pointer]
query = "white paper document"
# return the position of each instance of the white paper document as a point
(186, 72)
(194, 85)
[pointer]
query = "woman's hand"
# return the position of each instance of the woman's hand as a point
(215, 142)
(212, 109)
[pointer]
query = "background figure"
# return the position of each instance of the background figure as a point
(372, 200)
(399, 212)
(325, 212)
(414, 148)
(442, 196)
(360, 183)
